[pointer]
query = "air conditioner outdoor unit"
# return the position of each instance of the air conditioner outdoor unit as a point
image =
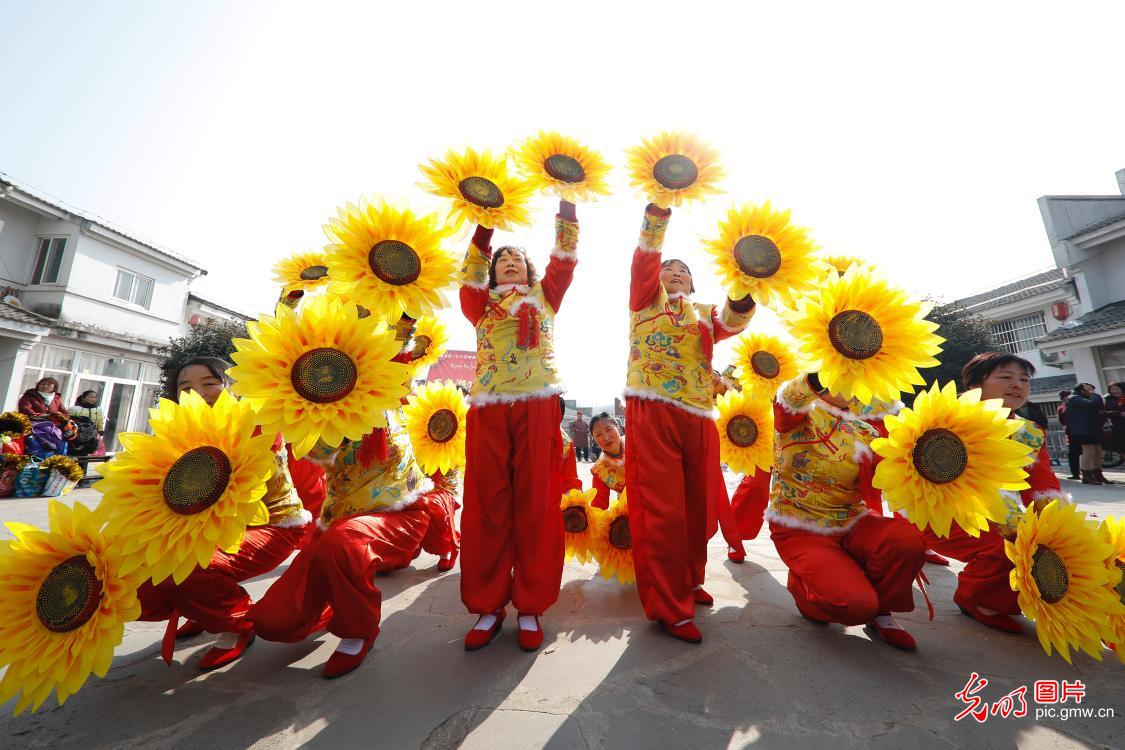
(1055, 358)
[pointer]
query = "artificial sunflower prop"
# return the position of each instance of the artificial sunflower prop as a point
(1113, 533)
(481, 188)
(613, 542)
(435, 419)
(865, 338)
(14, 423)
(579, 524)
(841, 263)
(194, 485)
(759, 252)
(68, 467)
(947, 459)
(745, 427)
(323, 374)
(554, 162)
(64, 602)
(304, 272)
(673, 168)
(1062, 579)
(762, 363)
(430, 340)
(388, 259)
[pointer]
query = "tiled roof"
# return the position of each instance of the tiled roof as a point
(1040, 283)
(19, 314)
(1052, 384)
(1105, 318)
(1107, 221)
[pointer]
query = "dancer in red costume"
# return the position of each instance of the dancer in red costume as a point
(728, 521)
(511, 527)
(381, 511)
(211, 598)
(609, 470)
(983, 589)
(673, 471)
(846, 564)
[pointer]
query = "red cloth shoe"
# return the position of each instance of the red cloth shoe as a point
(189, 629)
(893, 634)
(688, 632)
(736, 555)
(998, 621)
(934, 558)
(475, 639)
(220, 657)
(702, 597)
(531, 640)
(446, 564)
(340, 664)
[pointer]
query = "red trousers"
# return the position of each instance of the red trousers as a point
(331, 583)
(212, 596)
(985, 580)
(851, 578)
(670, 471)
(511, 526)
(749, 503)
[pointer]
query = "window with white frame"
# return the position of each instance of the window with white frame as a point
(48, 260)
(1018, 335)
(133, 287)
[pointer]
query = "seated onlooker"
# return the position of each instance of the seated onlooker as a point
(43, 400)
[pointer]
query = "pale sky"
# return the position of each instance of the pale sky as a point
(916, 136)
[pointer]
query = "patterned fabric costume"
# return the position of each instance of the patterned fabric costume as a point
(673, 472)
(609, 475)
(846, 564)
(511, 525)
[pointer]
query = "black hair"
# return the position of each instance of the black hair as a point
(670, 261)
(83, 395)
(981, 366)
(218, 368)
(532, 274)
(604, 415)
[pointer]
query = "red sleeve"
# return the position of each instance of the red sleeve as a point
(475, 299)
(601, 500)
(27, 405)
(871, 495)
(1044, 485)
(785, 420)
(309, 481)
(570, 480)
(644, 279)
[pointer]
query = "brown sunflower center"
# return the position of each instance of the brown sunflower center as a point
(394, 262)
(422, 344)
(442, 426)
(362, 312)
(564, 168)
(196, 480)
(575, 520)
(312, 273)
(940, 456)
(675, 172)
(324, 375)
(481, 191)
(1050, 574)
(765, 364)
(855, 334)
(1121, 585)
(742, 431)
(619, 534)
(69, 595)
(757, 256)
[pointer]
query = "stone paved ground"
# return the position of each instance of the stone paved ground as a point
(605, 677)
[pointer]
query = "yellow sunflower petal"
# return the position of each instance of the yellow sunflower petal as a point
(320, 373)
(553, 162)
(388, 259)
(613, 542)
(481, 187)
(579, 524)
(762, 363)
(1113, 533)
(674, 167)
(759, 252)
(302, 272)
(745, 427)
(431, 338)
(865, 338)
(65, 602)
(435, 420)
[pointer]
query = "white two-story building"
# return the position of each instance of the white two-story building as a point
(89, 305)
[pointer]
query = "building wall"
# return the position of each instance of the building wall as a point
(1104, 269)
(17, 242)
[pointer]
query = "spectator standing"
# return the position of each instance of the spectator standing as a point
(1085, 413)
(1073, 447)
(1115, 410)
(580, 434)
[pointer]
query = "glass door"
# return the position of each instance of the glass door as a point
(117, 410)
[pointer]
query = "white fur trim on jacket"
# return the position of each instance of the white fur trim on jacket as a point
(673, 296)
(564, 255)
(789, 522)
(649, 395)
(861, 450)
(1051, 495)
(719, 322)
(489, 399)
(481, 287)
(644, 247)
(304, 518)
(816, 403)
(505, 288)
(529, 301)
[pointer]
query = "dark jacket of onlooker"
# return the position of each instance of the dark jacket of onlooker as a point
(580, 433)
(1084, 415)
